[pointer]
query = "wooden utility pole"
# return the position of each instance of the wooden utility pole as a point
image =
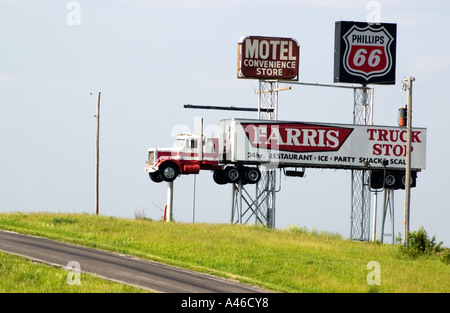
(97, 155)
(408, 156)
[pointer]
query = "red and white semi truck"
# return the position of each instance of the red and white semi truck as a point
(244, 145)
(191, 153)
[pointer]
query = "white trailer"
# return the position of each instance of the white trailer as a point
(298, 144)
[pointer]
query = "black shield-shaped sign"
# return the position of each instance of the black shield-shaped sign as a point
(365, 53)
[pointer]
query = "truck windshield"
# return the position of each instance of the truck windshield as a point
(179, 143)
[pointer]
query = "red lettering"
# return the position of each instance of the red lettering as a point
(391, 135)
(377, 149)
(402, 136)
(371, 133)
(398, 150)
(296, 137)
(415, 136)
(387, 149)
(382, 135)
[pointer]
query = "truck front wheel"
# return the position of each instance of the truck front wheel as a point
(169, 171)
(155, 177)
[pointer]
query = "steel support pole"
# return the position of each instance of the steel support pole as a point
(193, 198)
(233, 202)
(374, 220)
(240, 201)
(97, 156)
(388, 205)
(408, 157)
(169, 210)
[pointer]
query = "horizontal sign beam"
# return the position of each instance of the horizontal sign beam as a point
(231, 108)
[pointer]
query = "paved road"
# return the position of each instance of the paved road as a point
(126, 269)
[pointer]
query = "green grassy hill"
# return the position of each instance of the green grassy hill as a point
(289, 261)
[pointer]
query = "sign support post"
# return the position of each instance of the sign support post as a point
(364, 54)
(97, 155)
(360, 196)
(268, 59)
(408, 157)
(374, 223)
(266, 187)
(169, 214)
(262, 205)
(388, 205)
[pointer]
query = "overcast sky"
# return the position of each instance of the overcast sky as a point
(149, 58)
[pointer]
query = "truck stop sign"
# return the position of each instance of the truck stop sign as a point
(365, 53)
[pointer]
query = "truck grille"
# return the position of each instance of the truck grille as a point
(151, 158)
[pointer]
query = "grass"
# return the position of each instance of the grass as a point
(20, 275)
(292, 260)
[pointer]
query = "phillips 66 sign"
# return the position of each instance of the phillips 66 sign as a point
(365, 53)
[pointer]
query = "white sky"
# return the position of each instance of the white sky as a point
(148, 58)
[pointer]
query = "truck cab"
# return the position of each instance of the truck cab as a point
(188, 155)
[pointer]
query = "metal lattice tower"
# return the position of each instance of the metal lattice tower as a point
(360, 200)
(262, 205)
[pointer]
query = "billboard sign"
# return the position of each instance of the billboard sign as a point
(365, 53)
(339, 146)
(268, 58)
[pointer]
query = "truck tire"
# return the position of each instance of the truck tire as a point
(252, 175)
(155, 177)
(169, 171)
(232, 174)
(219, 177)
(412, 179)
(390, 180)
